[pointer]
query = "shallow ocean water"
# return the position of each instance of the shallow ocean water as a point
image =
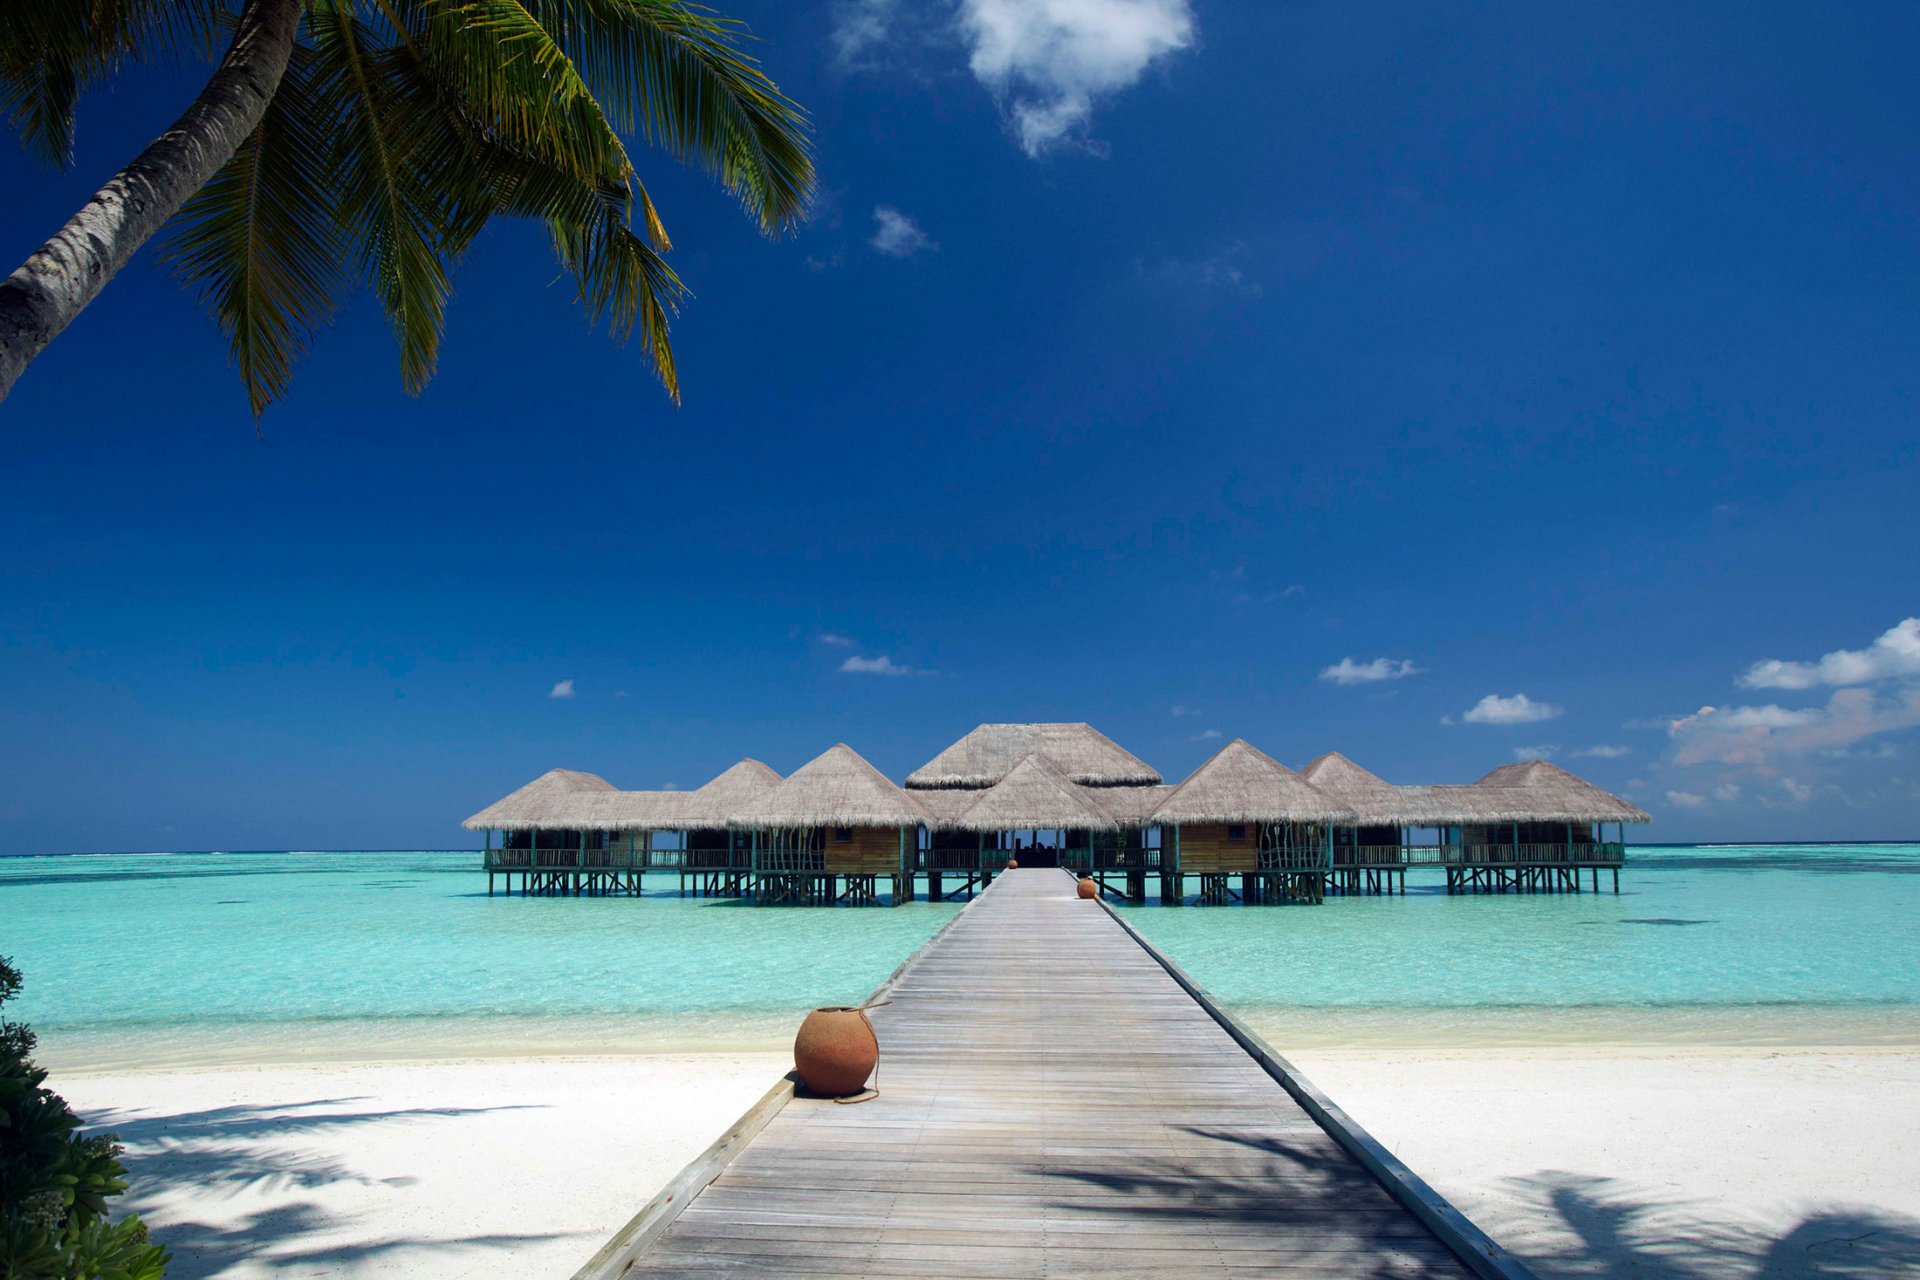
(206, 957)
(1801, 944)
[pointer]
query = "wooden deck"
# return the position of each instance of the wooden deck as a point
(1053, 1103)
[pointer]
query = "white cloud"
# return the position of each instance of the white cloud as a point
(1604, 752)
(1535, 753)
(1347, 671)
(1757, 736)
(1205, 735)
(896, 235)
(1519, 709)
(1049, 61)
(1180, 710)
(1895, 655)
(880, 666)
(1686, 800)
(621, 693)
(562, 689)
(837, 640)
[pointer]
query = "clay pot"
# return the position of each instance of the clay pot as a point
(1088, 889)
(1013, 864)
(836, 1050)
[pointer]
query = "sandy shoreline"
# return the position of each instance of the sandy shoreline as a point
(1674, 1162)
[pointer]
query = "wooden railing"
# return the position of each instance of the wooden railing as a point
(1367, 856)
(615, 859)
(1560, 854)
(1395, 855)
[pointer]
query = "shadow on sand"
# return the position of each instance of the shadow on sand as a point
(1565, 1226)
(227, 1152)
(1609, 1230)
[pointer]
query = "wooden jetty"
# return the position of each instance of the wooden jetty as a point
(1056, 1099)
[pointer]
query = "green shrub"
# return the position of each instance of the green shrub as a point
(54, 1182)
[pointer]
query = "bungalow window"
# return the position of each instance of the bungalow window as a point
(843, 835)
(1237, 831)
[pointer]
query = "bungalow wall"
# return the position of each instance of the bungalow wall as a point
(1208, 847)
(862, 850)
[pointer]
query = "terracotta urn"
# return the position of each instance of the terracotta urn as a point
(836, 1050)
(1013, 864)
(1088, 889)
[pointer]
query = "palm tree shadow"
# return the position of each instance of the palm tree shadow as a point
(1267, 1184)
(1572, 1226)
(269, 1237)
(1604, 1228)
(227, 1152)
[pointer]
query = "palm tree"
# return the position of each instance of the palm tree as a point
(342, 142)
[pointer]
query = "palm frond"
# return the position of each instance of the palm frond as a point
(515, 78)
(622, 277)
(676, 75)
(391, 150)
(51, 50)
(625, 283)
(259, 241)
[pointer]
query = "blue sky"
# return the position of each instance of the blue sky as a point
(1145, 361)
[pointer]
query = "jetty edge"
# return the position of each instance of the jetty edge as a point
(1036, 1160)
(1487, 1256)
(646, 1226)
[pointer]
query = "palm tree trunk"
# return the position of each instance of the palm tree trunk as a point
(58, 281)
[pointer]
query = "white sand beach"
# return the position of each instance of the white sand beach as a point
(1672, 1163)
(431, 1169)
(1586, 1162)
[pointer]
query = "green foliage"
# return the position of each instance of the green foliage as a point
(403, 126)
(54, 1182)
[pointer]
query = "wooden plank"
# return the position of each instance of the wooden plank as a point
(1055, 1100)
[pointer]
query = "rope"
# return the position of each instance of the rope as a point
(873, 1091)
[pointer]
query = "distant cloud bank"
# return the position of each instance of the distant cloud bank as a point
(1896, 654)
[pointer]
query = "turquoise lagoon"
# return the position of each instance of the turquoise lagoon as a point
(230, 957)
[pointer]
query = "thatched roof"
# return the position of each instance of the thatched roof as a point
(566, 799)
(1533, 791)
(1340, 779)
(1035, 796)
(736, 789)
(989, 753)
(1548, 793)
(943, 808)
(544, 802)
(1377, 802)
(1241, 783)
(837, 788)
(1130, 806)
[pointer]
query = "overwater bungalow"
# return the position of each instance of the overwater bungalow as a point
(976, 833)
(1525, 826)
(547, 829)
(1244, 814)
(574, 833)
(1082, 801)
(1541, 827)
(1243, 826)
(830, 832)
